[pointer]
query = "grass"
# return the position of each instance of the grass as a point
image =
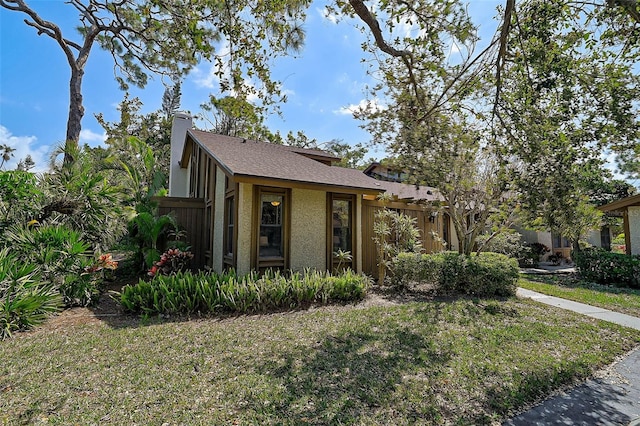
(463, 362)
(624, 300)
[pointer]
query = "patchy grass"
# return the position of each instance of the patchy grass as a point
(624, 300)
(459, 362)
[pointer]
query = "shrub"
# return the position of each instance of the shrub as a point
(204, 293)
(20, 197)
(63, 259)
(507, 243)
(531, 254)
(172, 261)
(24, 300)
(601, 266)
(484, 275)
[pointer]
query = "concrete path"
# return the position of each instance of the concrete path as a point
(611, 399)
(581, 308)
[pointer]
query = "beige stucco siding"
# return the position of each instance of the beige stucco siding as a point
(218, 221)
(308, 229)
(594, 238)
(245, 199)
(634, 228)
(358, 229)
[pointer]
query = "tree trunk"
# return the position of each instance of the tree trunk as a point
(76, 112)
(575, 246)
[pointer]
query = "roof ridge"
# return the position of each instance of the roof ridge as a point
(290, 148)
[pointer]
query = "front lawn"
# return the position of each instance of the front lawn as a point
(462, 362)
(624, 300)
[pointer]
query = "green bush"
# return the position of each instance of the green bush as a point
(600, 266)
(62, 257)
(187, 293)
(484, 275)
(508, 243)
(407, 268)
(24, 300)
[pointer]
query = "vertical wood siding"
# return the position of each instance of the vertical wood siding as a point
(190, 216)
(421, 214)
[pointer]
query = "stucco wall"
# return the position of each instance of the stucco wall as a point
(453, 236)
(218, 221)
(634, 228)
(245, 199)
(308, 229)
(359, 232)
(593, 238)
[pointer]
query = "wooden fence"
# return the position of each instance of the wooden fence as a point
(428, 226)
(189, 214)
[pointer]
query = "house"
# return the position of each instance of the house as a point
(629, 209)
(558, 244)
(251, 205)
(382, 172)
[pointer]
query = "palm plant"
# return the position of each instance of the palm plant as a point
(83, 199)
(25, 301)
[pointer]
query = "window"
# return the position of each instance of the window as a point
(271, 226)
(559, 241)
(229, 225)
(605, 238)
(341, 220)
(271, 229)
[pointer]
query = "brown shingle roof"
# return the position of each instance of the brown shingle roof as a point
(412, 192)
(403, 191)
(243, 157)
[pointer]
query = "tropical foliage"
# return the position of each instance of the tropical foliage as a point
(25, 300)
(211, 293)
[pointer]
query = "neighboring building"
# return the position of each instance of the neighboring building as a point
(385, 173)
(251, 206)
(560, 245)
(629, 209)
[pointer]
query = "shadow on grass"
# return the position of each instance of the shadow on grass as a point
(358, 377)
(574, 281)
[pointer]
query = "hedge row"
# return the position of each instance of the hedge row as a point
(186, 293)
(484, 275)
(604, 267)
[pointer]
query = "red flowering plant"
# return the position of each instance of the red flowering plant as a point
(172, 261)
(105, 261)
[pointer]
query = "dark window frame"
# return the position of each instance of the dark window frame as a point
(332, 261)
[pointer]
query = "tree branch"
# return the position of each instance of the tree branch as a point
(630, 6)
(363, 12)
(44, 27)
(502, 51)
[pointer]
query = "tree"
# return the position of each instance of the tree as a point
(7, 153)
(26, 164)
(234, 116)
(554, 88)
(568, 93)
(454, 157)
(170, 37)
(154, 129)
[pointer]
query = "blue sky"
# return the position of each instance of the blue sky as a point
(323, 82)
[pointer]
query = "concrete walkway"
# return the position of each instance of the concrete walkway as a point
(611, 399)
(581, 308)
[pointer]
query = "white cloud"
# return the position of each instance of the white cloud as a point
(24, 145)
(610, 164)
(92, 138)
(364, 105)
(327, 15)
